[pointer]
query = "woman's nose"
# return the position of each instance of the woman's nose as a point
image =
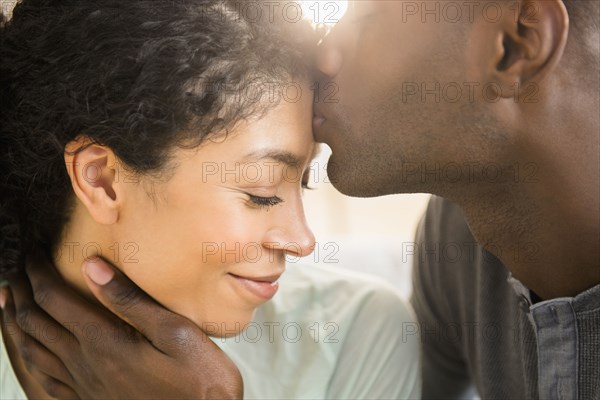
(303, 243)
(291, 234)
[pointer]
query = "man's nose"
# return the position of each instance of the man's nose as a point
(329, 57)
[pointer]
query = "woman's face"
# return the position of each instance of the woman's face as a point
(209, 242)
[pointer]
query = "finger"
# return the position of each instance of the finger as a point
(55, 388)
(33, 353)
(33, 320)
(33, 387)
(84, 320)
(167, 331)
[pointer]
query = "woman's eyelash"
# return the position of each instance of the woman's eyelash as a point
(265, 201)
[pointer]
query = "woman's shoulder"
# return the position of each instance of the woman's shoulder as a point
(378, 355)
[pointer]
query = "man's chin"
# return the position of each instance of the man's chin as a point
(350, 183)
(361, 179)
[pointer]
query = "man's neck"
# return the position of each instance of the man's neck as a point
(546, 233)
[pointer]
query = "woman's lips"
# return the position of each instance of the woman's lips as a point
(265, 288)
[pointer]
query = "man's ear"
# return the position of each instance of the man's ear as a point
(93, 170)
(530, 43)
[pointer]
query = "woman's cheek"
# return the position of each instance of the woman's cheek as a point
(184, 258)
(235, 238)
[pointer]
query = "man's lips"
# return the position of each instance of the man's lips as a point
(318, 121)
(319, 117)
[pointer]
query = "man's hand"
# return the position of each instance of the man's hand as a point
(140, 350)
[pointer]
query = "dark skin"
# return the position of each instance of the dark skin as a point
(390, 132)
(60, 357)
(378, 137)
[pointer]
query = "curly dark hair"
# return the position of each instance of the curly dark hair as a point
(140, 77)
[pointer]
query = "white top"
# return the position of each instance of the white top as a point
(327, 334)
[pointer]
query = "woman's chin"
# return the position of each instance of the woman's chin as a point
(226, 329)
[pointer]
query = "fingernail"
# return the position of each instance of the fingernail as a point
(2, 297)
(98, 271)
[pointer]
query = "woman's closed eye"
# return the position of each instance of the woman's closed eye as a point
(265, 202)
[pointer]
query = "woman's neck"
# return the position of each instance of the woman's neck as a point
(81, 239)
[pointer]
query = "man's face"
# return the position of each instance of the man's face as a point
(389, 95)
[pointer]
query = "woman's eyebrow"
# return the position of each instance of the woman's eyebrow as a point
(285, 157)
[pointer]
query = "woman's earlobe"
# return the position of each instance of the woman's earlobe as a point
(92, 170)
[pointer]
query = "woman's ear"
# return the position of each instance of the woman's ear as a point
(93, 172)
(530, 42)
